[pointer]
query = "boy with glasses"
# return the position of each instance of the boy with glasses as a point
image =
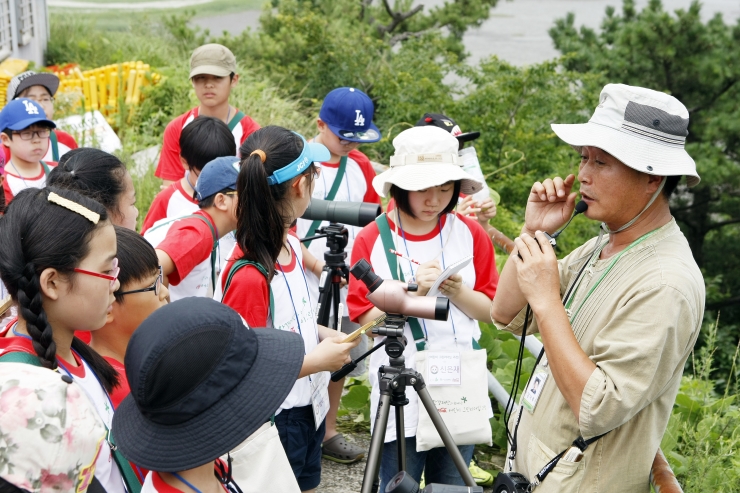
(41, 87)
(25, 132)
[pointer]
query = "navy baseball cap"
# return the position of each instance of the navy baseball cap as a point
(349, 114)
(217, 175)
(22, 113)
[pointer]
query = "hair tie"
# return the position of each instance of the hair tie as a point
(261, 154)
(80, 209)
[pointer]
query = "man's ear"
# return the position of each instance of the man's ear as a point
(51, 283)
(653, 183)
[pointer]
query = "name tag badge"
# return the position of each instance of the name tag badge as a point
(443, 368)
(534, 389)
(320, 396)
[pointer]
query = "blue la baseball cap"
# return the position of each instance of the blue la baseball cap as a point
(22, 113)
(217, 175)
(349, 114)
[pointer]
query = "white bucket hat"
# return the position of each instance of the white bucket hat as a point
(645, 129)
(425, 157)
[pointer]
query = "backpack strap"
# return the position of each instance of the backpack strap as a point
(124, 466)
(46, 168)
(243, 263)
(332, 193)
(54, 141)
(385, 236)
(20, 357)
(236, 120)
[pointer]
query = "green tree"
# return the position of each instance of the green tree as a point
(699, 63)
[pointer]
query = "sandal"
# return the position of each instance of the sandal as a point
(337, 449)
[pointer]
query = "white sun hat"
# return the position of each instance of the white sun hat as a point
(425, 157)
(645, 129)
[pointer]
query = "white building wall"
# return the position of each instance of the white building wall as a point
(24, 29)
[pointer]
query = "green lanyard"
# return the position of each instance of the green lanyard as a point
(593, 260)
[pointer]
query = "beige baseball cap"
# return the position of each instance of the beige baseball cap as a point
(212, 59)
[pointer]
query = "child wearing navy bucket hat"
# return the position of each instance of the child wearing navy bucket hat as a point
(201, 383)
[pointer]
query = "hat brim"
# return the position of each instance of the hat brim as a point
(636, 152)
(210, 70)
(467, 137)
(318, 153)
(49, 81)
(30, 121)
(372, 134)
(224, 425)
(414, 177)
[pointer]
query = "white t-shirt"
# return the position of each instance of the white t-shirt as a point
(461, 238)
(14, 183)
(291, 297)
(356, 186)
(106, 469)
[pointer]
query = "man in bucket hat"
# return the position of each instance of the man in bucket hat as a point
(201, 383)
(619, 315)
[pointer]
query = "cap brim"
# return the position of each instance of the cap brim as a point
(636, 152)
(372, 134)
(318, 153)
(49, 81)
(467, 137)
(415, 177)
(30, 121)
(210, 70)
(224, 425)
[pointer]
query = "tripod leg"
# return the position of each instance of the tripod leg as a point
(324, 299)
(400, 438)
(335, 287)
(372, 468)
(444, 433)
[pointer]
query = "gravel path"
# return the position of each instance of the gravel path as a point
(341, 478)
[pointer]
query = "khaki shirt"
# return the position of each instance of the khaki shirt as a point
(638, 326)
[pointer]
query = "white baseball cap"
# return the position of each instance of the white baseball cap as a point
(645, 129)
(425, 157)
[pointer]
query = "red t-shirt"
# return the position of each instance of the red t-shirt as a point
(171, 202)
(155, 484)
(189, 242)
(170, 167)
(119, 393)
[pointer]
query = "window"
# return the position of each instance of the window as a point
(6, 37)
(24, 10)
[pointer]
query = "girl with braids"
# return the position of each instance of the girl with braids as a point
(59, 265)
(100, 176)
(266, 271)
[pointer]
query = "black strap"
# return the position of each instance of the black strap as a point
(332, 193)
(578, 442)
(243, 263)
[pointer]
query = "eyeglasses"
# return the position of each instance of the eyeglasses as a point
(233, 192)
(42, 100)
(28, 134)
(154, 287)
(112, 277)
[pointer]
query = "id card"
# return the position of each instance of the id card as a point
(443, 368)
(533, 391)
(320, 396)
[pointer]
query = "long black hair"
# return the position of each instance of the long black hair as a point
(94, 173)
(136, 257)
(264, 211)
(36, 234)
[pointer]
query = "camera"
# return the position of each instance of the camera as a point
(352, 213)
(404, 483)
(510, 482)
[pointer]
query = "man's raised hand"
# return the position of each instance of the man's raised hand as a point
(550, 205)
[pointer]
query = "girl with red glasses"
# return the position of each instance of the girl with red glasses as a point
(59, 266)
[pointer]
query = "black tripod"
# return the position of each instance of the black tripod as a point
(335, 269)
(393, 381)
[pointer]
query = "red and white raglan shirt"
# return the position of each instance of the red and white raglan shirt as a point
(155, 484)
(189, 243)
(65, 143)
(356, 186)
(14, 183)
(249, 295)
(170, 203)
(170, 167)
(106, 470)
(460, 237)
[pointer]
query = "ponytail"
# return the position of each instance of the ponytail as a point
(264, 211)
(35, 235)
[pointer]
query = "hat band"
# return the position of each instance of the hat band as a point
(434, 158)
(293, 169)
(663, 138)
